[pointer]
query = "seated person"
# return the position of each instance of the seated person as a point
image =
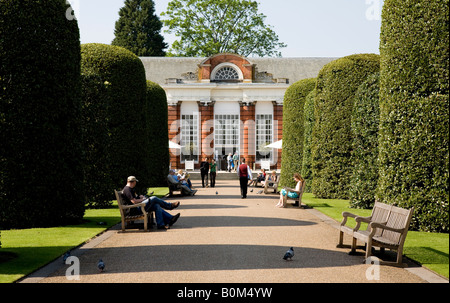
(173, 180)
(163, 219)
(183, 177)
(260, 178)
(289, 192)
(272, 178)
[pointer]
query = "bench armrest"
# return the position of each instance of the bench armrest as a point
(142, 205)
(345, 216)
(375, 225)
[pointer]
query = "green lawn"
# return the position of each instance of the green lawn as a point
(428, 249)
(37, 247)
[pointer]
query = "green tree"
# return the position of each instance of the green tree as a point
(139, 29)
(364, 124)
(208, 27)
(414, 110)
(332, 137)
(293, 129)
(41, 165)
(156, 111)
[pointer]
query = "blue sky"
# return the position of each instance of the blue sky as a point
(310, 28)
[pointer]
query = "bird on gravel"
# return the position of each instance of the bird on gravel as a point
(260, 192)
(101, 265)
(289, 254)
(217, 192)
(66, 256)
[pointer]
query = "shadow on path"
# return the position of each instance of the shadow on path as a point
(209, 258)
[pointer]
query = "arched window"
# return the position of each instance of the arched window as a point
(226, 72)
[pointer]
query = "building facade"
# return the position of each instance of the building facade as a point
(227, 104)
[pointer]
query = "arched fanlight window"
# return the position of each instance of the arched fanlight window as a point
(227, 72)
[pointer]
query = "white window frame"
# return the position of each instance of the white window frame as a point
(185, 135)
(261, 131)
(226, 64)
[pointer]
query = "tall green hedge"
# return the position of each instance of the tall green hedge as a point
(96, 141)
(41, 176)
(364, 124)
(158, 125)
(414, 109)
(293, 129)
(124, 74)
(307, 143)
(332, 137)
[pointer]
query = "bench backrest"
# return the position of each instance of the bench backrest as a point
(380, 214)
(121, 203)
(399, 218)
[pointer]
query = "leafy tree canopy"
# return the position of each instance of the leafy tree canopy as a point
(208, 27)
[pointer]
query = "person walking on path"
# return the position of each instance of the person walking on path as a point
(244, 173)
(213, 167)
(204, 170)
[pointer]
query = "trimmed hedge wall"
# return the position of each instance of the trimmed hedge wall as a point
(124, 74)
(96, 141)
(158, 126)
(365, 122)
(307, 144)
(332, 137)
(414, 110)
(293, 129)
(41, 176)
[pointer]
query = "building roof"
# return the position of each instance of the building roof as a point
(160, 69)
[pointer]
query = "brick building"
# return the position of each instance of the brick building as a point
(227, 103)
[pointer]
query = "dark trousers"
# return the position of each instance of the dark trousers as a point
(213, 179)
(204, 176)
(243, 182)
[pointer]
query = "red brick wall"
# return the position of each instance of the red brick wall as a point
(208, 66)
(278, 116)
(207, 131)
(248, 133)
(174, 131)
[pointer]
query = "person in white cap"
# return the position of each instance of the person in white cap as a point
(163, 219)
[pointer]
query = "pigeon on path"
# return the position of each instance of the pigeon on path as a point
(66, 256)
(101, 265)
(260, 192)
(289, 254)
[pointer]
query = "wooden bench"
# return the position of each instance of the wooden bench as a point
(390, 234)
(297, 201)
(125, 212)
(274, 185)
(380, 213)
(174, 188)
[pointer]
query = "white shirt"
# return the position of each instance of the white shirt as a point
(249, 172)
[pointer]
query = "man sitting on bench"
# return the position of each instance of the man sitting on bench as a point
(174, 181)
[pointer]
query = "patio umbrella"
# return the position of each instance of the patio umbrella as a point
(173, 145)
(277, 145)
